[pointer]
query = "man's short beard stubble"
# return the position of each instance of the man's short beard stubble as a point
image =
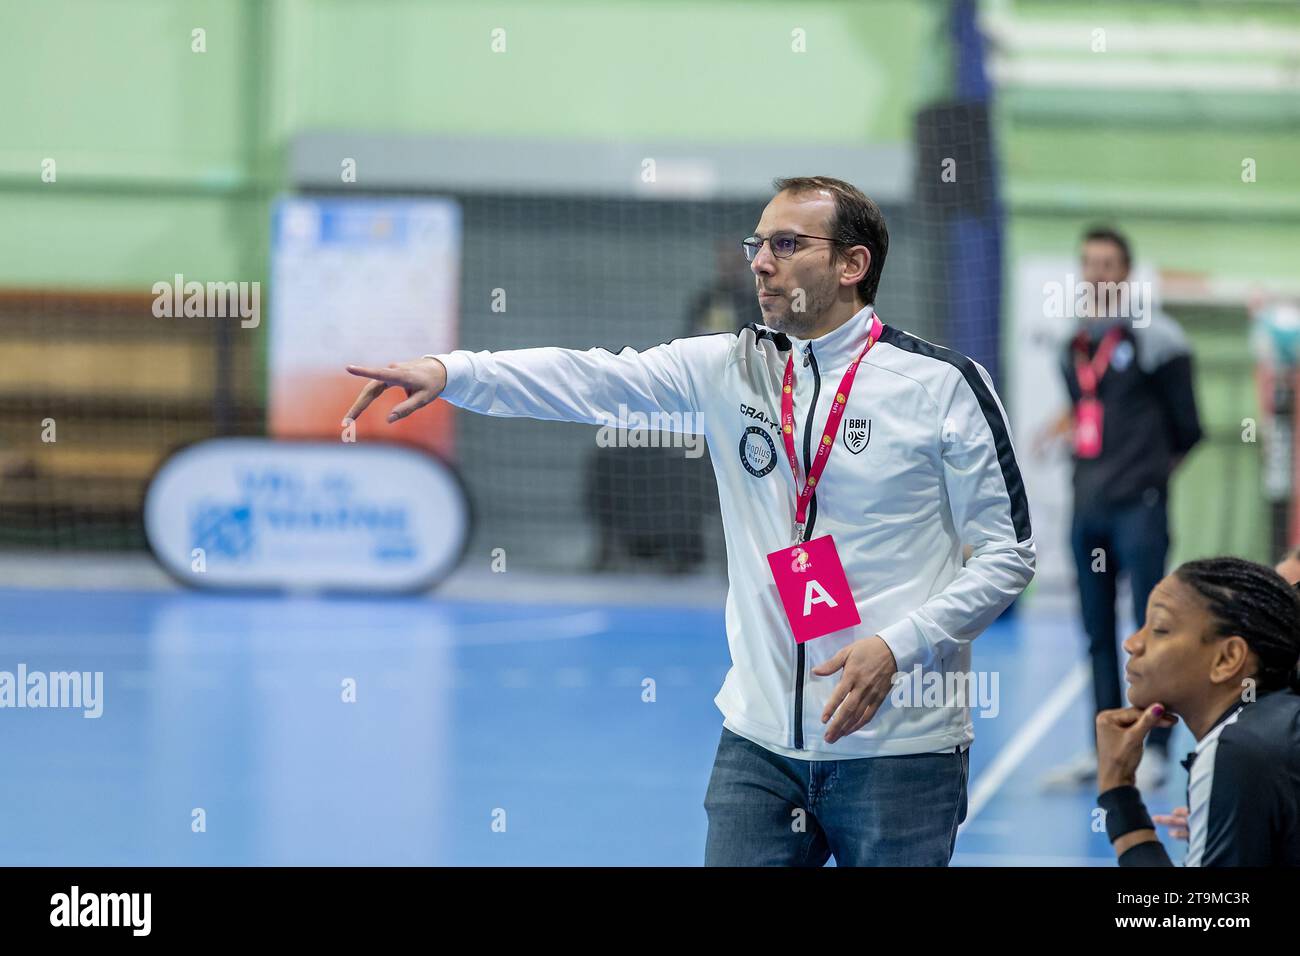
(799, 324)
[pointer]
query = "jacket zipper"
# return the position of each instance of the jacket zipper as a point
(808, 359)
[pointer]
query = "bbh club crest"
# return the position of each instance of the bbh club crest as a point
(857, 433)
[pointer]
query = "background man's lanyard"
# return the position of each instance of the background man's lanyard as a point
(1090, 373)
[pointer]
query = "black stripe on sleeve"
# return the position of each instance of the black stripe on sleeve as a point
(992, 415)
(760, 333)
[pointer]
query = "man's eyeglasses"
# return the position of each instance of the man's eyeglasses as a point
(783, 244)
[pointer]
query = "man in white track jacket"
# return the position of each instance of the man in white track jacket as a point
(834, 744)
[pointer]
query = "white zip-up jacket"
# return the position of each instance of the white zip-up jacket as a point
(923, 465)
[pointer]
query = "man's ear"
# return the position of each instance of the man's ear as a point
(859, 258)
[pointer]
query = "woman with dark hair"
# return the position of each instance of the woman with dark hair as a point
(1219, 650)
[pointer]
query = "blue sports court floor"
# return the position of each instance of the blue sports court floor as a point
(468, 714)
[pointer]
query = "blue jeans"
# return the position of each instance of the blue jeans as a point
(768, 810)
(1134, 540)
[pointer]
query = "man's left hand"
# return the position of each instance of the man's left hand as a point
(869, 669)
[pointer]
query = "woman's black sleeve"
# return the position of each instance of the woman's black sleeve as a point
(1125, 812)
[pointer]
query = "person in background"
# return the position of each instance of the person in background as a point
(1132, 419)
(653, 506)
(727, 303)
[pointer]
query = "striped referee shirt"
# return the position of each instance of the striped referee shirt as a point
(1243, 790)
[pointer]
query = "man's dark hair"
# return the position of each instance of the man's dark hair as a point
(1256, 604)
(1107, 234)
(857, 222)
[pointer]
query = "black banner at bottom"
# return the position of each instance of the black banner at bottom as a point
(333, 905)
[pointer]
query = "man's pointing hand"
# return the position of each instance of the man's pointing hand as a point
(423, 380)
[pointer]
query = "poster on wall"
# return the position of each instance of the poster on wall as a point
(359, 282)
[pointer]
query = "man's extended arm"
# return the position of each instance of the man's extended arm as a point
(556, 384)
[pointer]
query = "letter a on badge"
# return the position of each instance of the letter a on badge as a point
(821, 598)
(814, 606)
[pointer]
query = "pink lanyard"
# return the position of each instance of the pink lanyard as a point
(828, 436)
(1090, 374)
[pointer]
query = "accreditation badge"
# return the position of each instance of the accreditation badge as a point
(814, 591)
(1087, 428)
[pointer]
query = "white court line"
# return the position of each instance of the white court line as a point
(1026, 738)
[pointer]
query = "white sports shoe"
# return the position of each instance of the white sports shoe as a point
(1075, 774)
